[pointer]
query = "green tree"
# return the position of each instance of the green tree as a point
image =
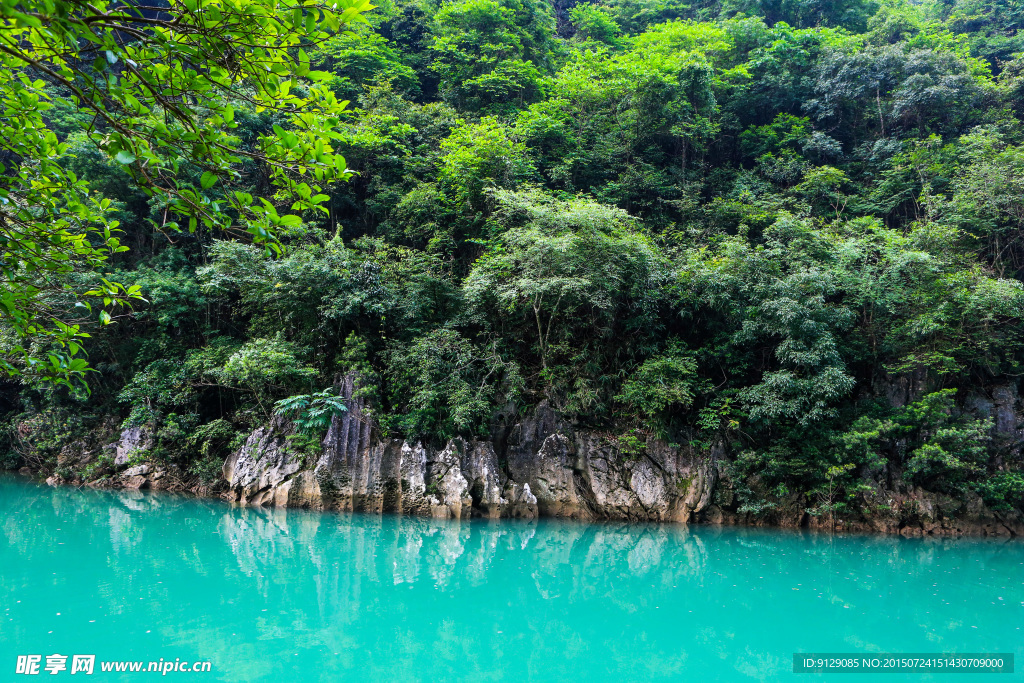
(565, 279)
(664, 381)
(594, 23)
(442, 384)
(491, 55)
(161, 88)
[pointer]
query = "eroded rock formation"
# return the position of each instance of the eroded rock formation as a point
(543, 466)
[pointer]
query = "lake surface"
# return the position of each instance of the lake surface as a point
(298, 596)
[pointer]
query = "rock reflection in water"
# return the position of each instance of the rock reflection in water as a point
(287, 594)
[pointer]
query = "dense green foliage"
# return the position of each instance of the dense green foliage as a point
(792, 229)
(152, 92)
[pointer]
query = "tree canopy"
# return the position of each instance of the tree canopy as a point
(787, 233)
(155, 91)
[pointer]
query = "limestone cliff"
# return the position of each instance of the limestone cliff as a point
(542, 467)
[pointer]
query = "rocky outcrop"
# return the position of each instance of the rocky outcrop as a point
(132, 445)
(1002, 405)
(580, 476)
(584, 475)
(261, 471)
(544, 467)
(914, 512)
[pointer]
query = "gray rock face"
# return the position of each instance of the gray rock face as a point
(541, 464)
(543, 467)
(132, 443)
(138, 470)
(1001, 403)
(258, 472)
(348, 472)
(585, 476)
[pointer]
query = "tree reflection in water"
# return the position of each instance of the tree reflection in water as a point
(267, 593)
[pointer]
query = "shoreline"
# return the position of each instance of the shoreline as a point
(844, 527)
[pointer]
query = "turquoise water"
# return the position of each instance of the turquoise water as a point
(295, 596)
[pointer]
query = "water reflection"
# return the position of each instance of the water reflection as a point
(264, 593)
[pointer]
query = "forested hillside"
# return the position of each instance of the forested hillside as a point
(786, 231)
